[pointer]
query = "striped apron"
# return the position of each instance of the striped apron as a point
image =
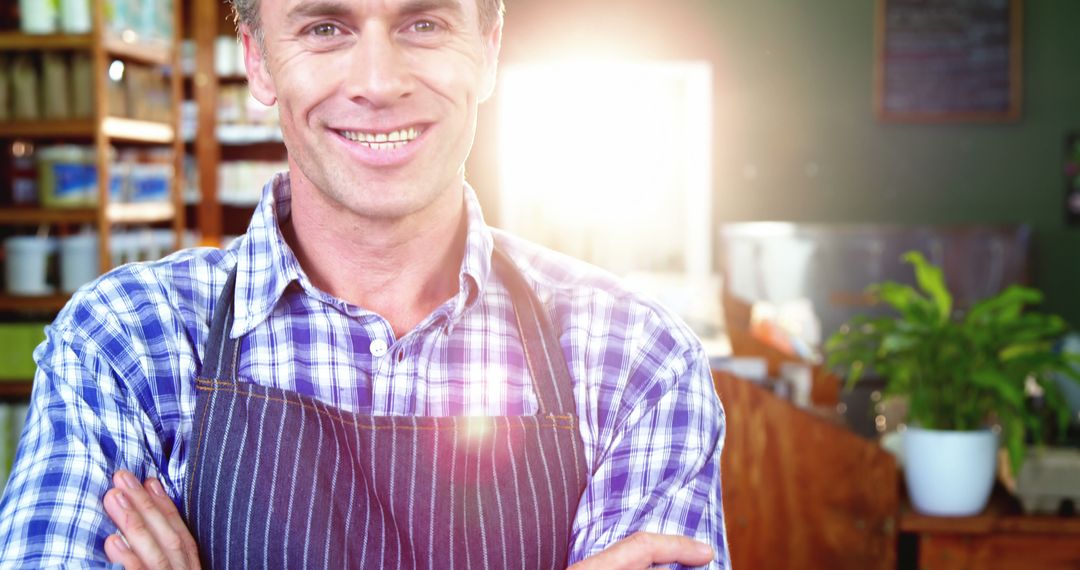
(282, 480)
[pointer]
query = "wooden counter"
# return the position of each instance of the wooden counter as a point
(801, 491)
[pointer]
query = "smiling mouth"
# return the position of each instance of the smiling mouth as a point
(383, 141)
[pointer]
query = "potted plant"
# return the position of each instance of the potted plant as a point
(965, 377)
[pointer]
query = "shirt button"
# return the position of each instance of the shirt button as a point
(378, 347)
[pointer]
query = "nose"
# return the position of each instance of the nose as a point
(378, 74)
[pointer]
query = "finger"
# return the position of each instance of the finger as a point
(140, 541)
(167, 544)
(172, 516)
(117, 551)
(642, 550)
(147, 531)
(667, 549)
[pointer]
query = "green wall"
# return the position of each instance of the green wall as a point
(798, 82)
(794, 108)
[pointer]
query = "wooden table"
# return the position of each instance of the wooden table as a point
(1000, 538)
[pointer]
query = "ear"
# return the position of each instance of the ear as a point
(260, 82)
(492, 47)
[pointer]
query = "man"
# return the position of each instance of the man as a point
(370, 376)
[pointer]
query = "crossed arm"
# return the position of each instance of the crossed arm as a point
(154, 536)
(157, 537)
(89, 421)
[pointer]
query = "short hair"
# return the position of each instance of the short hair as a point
(246, 12)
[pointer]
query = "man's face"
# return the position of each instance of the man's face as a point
(377, 98)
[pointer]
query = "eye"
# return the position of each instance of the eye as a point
(424, 26)
(324, 29)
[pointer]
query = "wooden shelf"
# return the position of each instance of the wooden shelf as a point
(220, 79)
(119, 128)
(15, 389)
(117, 213)
(140, 213)
(40, 304)
(128, 47)
(134, 130)
(47, 129)
(121, 213)
(999, 538)
(101, 132)
(132, 49)
(17, 41)
(38, 216)
(1002, 515)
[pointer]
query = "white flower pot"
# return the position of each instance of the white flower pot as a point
(949, 473)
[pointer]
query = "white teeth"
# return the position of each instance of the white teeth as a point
(383, 141)
(385, 145)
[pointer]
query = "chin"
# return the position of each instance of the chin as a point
(377, 206)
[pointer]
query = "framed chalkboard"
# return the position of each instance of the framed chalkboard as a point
(948, 60)
(1072, 178)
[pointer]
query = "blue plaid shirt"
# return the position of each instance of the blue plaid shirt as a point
(114, 387)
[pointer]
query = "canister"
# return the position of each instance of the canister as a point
(75, 16)
(67, 177)
(27, 264)
(78, 260)
(38, 16)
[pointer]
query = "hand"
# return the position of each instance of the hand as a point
(151, 524)
(642, 550)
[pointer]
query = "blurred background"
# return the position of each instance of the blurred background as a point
(794, 136)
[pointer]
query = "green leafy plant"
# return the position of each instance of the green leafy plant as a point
(960, 371)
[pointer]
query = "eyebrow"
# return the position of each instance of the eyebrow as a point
(339, 8)
(321, 8)
(419, 6)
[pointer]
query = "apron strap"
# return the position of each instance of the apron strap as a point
(219, 362)
(543, 353)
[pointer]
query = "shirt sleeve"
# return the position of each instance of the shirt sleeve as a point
(81, 427)
(659, 468)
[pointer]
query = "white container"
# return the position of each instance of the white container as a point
(123, 248)
(747, 367)
(949, 473)
(78, 261)
(38, 16)
(801, 378)
(75, 16)
(164, 242)
(27, 264)
(226, 50)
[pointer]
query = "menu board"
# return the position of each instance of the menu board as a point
(948, 60)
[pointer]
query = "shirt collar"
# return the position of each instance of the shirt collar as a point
(266, 265)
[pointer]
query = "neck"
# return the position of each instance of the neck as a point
(401, 269)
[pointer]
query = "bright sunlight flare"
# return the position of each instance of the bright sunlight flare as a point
(610, 161)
